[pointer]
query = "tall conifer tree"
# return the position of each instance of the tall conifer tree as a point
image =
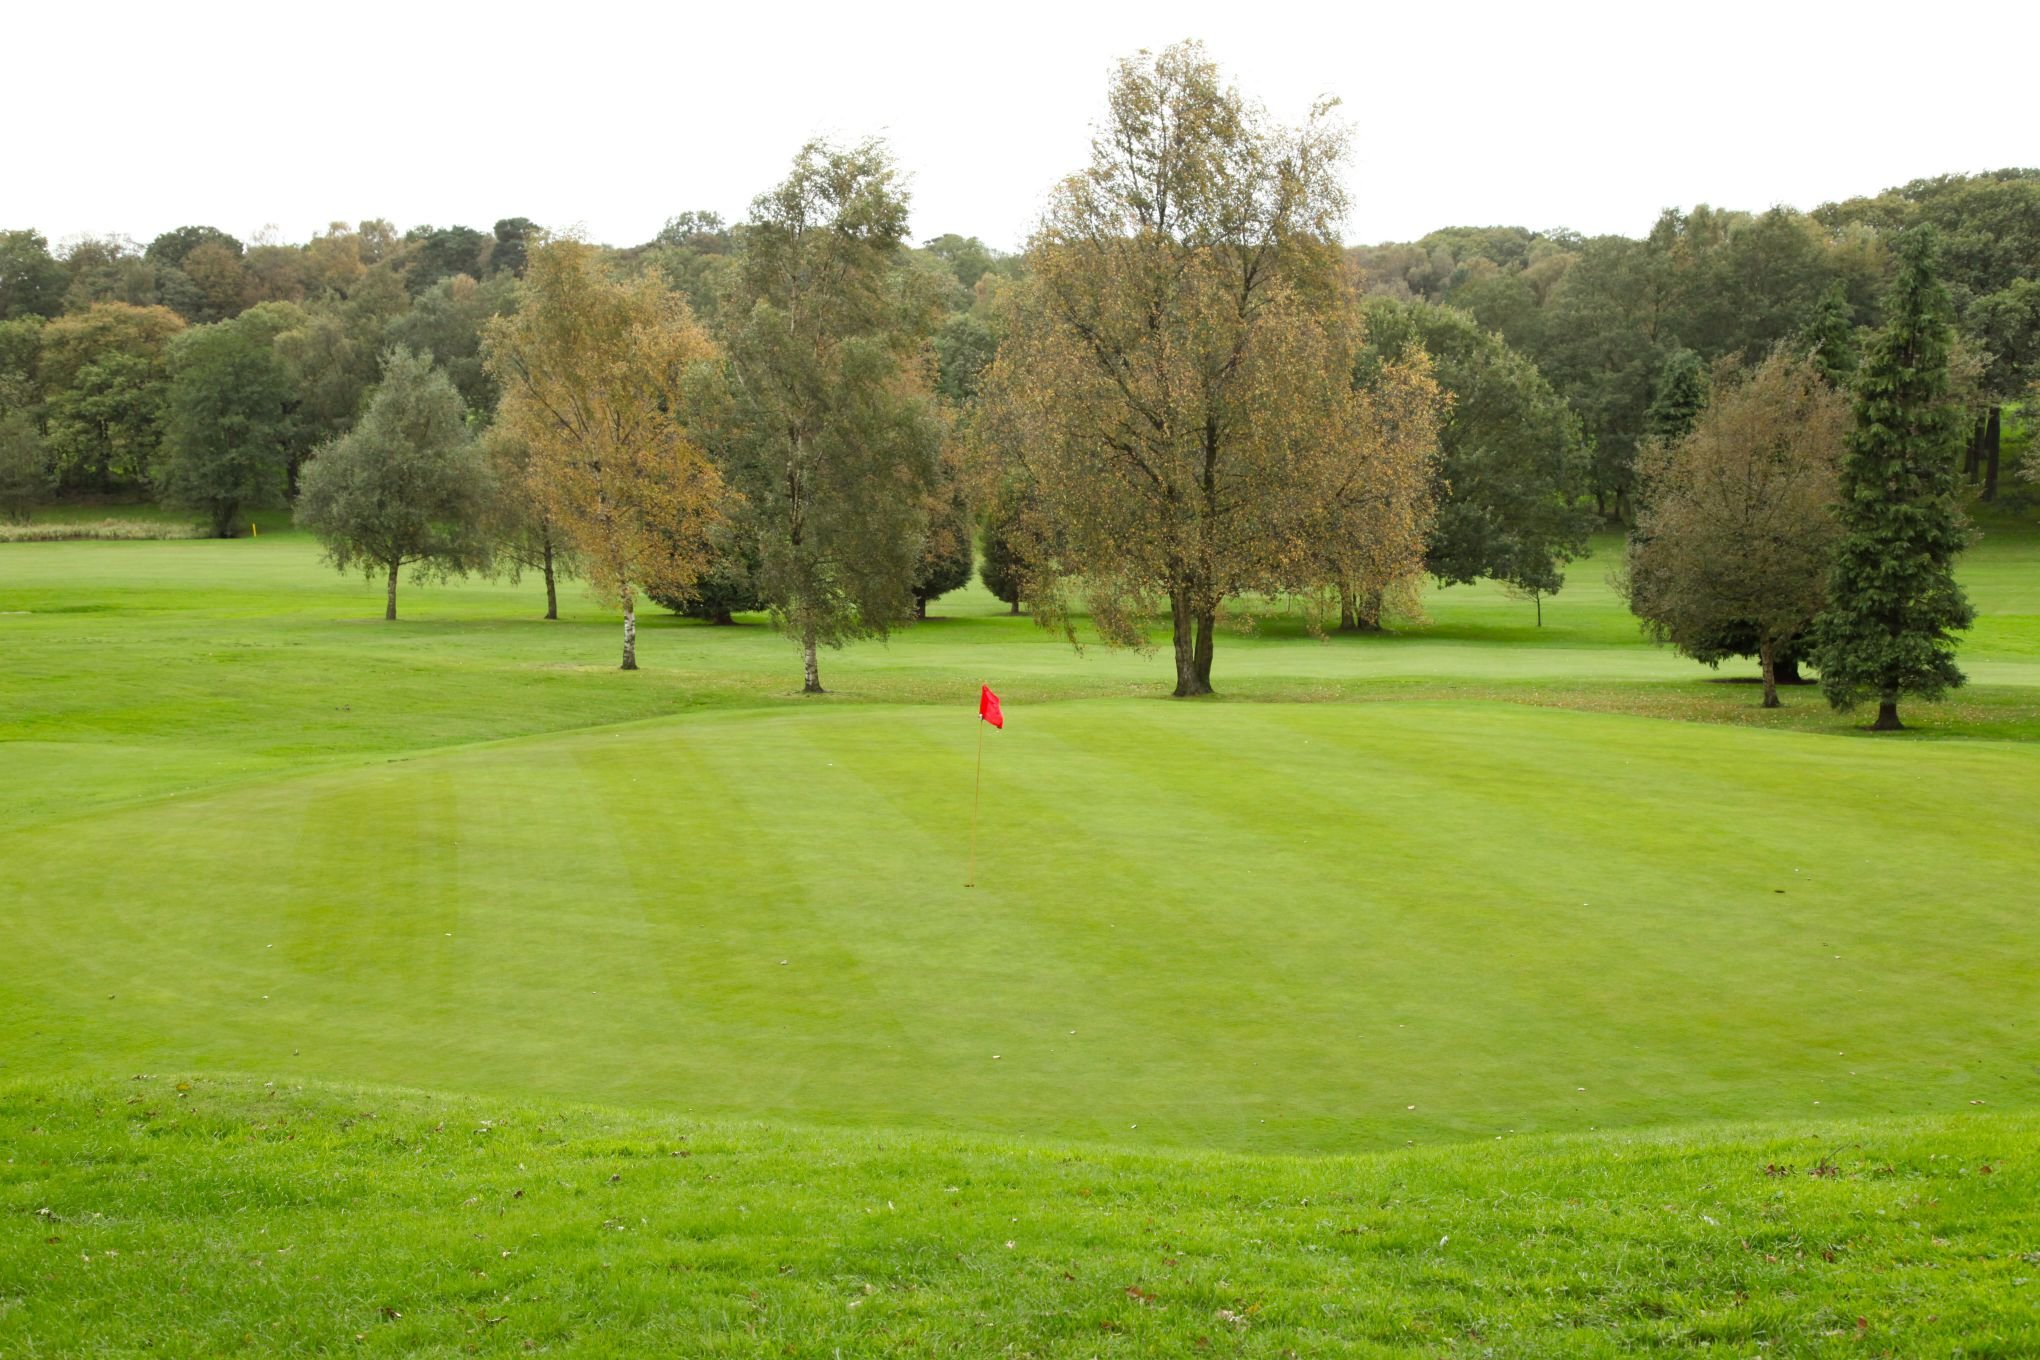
(1893, 605)
(1682, 392)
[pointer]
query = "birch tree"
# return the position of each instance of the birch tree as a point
(605, 382)
(834, 430)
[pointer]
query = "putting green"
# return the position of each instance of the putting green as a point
(1298, 926)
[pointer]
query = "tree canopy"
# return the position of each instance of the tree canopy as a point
(227, 429)
(406, 486)
(833, 433)
(1514, 465)
(607, 382)
(1737, 527)
(1177, 384)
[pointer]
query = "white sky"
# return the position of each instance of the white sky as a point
(615, 116)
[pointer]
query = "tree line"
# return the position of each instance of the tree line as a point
(1618, 325)
(1185, 396)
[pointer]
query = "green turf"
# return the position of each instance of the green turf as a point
(1416, 996)
(202, 1217)
(1247, 926)
(247, 823)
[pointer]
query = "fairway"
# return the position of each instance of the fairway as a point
(1299, 927)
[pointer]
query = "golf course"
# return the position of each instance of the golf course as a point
(1424, 992)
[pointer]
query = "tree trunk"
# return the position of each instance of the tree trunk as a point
(390, 609)
(1183, 622)
(1767, 653)
(1207, 624)
(552, 593)
(920, 606)
(224, 520)
(1787, 667)
(1992, 443)
(1013, 608)
(810, 665)
(722, 619)
(1537, 597)
(629, 630)
(1887, 714)
(1349, 612)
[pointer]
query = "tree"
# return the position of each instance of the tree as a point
(108, 269)
(219, 279)
(2029, 463)
(696, 229)
(1513, 463)
(173, 248)
(24, 466)
(446, 322)
(406, 487)
(104, 374)
(335, 353)
(1600, 340)
(729, 584)
(835, 433)
(523, 534)
(1003, 567)
(1830, 338)
(604, 381)
(20, 364)
(1988, 227)
(1382, 497)
(2006, 324)
(1893, 604)
(436, 253)
(1737, 529)
(511, 251)
(226, 436)
(339, 257)
(1176, 385)
(31, 282)
(947, 549)
(273, 273)
(966, 256)
(1678, 397)
(964, 348)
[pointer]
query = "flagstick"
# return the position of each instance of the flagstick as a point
(976, 790)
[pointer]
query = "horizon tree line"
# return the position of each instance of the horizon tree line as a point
(1186, 394)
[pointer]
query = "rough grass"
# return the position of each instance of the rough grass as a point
(105, 530)
(203, 1217)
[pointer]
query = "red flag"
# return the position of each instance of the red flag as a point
(988, 707)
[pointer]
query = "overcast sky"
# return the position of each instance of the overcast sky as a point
(614, 117)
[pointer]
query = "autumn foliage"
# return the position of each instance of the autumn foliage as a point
(600, 379)
(1176, 385)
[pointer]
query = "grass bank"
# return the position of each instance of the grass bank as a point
(183, 1217)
